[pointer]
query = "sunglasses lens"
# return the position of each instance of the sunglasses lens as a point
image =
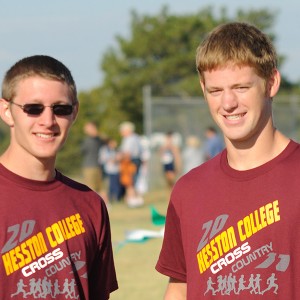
(62, 109)
(58, 109)
(33, 109)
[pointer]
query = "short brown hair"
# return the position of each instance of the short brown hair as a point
(239, 44)
(37, 65)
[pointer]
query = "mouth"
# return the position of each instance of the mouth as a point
(45, 135)
(234, 117)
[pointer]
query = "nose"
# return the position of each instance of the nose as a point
(229, 100)
(47, 117)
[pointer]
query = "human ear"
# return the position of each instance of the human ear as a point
(202, 84)
(75, 111)
(274, 83)
(5, 112)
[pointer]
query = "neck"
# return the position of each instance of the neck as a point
(245, 156)
(32, 168)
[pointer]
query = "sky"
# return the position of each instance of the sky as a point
(79, 32)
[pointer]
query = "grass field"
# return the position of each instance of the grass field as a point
(135, 262)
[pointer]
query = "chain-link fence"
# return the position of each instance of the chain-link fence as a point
(190, 116)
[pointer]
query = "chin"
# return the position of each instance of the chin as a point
(240, 140)
(45, 155)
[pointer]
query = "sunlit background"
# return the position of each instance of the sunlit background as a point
(79, 32)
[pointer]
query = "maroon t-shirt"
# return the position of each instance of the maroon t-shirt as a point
(55, 240)
(236, 234)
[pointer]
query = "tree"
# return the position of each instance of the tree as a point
(161, 52)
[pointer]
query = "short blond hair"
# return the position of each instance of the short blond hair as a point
(240, 44)
(38, 65)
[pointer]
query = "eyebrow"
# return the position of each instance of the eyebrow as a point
(235, 85)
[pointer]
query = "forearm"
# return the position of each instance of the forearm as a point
(176, 290)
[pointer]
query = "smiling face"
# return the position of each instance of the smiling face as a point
(38, 137)
(240, 101)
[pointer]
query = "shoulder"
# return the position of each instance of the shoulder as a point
(81, 196)
(291, 153)
(203, 174)
(77, 190)
(73, 184)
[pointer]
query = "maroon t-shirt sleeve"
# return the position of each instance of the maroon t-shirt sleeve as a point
(171, 260)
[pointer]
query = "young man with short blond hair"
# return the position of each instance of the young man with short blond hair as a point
(232, 228)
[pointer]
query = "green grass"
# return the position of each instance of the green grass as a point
(135, 262)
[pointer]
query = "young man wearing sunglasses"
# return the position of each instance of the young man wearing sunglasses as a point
(55, 231)
(232, 227)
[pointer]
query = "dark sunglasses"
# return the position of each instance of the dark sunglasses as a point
(36, 109)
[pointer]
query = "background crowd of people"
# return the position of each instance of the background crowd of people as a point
(112, 169)
(118, 169)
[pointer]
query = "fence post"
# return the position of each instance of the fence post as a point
(147, 110)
